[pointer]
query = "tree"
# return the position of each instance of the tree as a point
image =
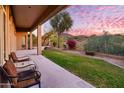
(60, 23)
(47, 36)
(53, 39)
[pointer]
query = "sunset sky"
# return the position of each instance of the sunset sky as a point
(93, 19)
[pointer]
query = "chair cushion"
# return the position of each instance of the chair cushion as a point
(14, 57)
(10, 68)
(23, 58)
(18, 59)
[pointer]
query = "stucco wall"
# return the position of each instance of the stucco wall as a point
(12, 36)
(19, 36)
(1, 36)
(7, 33)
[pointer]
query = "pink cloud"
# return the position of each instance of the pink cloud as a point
(91, 20)
(85, 32)
(105, 7)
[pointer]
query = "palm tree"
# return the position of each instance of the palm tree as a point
(60, 23)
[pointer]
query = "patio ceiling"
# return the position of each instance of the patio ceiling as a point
(28, 17)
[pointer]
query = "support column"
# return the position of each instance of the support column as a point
(2, 23)
(30, 40)
(1, 37)
(6, 33)
(26, 41)
(39, 40)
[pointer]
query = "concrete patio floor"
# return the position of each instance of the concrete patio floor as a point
(53, 76)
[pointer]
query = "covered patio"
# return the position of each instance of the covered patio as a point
(53, 76)
(17, 21)
(15, 24)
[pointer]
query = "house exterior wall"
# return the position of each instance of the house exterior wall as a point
(10, 33)
(7, 33)
(1, 36)
(19, 37)
(10, 39)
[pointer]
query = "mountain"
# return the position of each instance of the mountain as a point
(89, 32)
(82, 32)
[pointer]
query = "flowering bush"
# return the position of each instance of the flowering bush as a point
(71, 44)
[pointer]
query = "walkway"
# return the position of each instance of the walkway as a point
(117, 62)
(54, 76)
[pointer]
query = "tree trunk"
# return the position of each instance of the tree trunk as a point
(58, 40)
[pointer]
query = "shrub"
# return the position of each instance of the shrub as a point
(71, 44)
(109, 44)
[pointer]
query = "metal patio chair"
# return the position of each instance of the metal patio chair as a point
(20, 80)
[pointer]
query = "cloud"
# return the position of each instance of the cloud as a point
(93, 19)
(100, 8)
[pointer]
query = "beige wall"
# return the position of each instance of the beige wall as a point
(12, 36)
(19, 36)
(1, 36)
(7, 33)
(10, 33)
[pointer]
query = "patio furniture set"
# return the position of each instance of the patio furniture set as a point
(21, 72)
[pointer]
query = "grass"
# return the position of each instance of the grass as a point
(97, 72)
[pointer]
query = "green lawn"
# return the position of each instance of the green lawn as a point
(97, 72)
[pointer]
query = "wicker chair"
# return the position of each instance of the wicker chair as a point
(20, 80)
